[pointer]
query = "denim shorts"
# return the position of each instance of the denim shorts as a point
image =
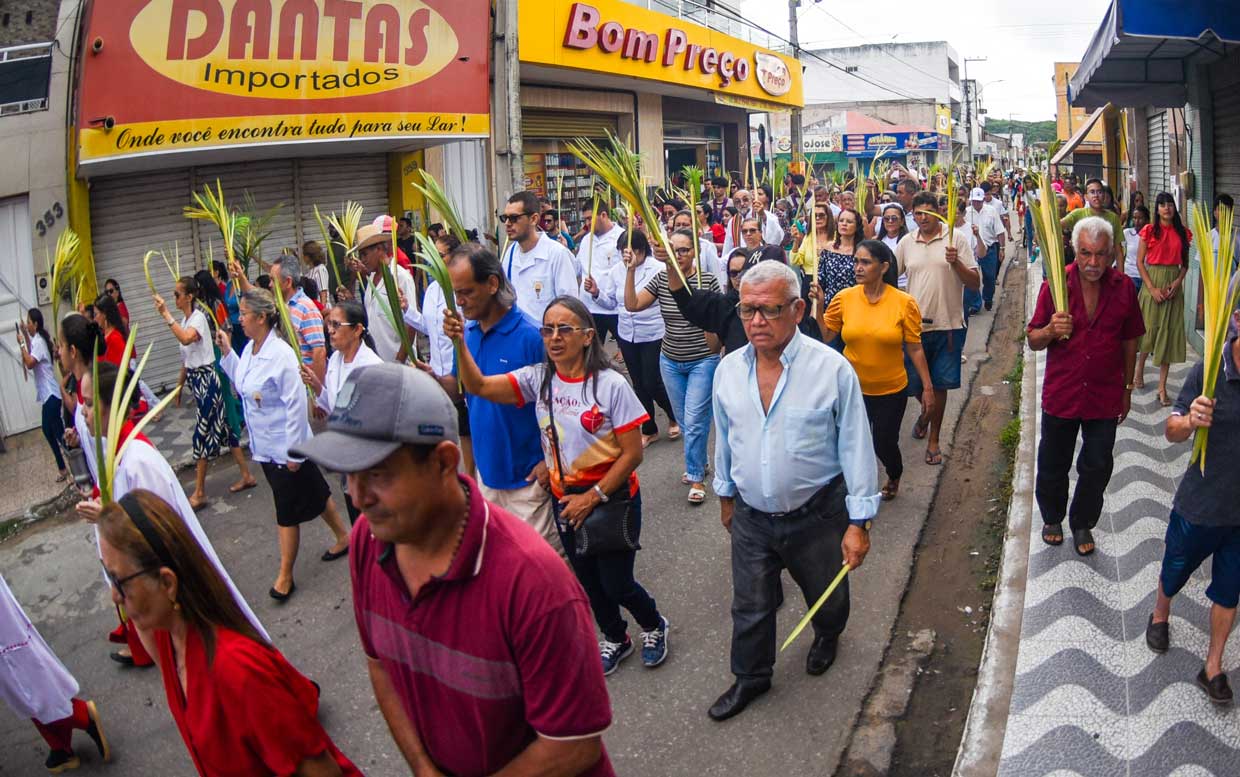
(942, 350)
(1188, 544)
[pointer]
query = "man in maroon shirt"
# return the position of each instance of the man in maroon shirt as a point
(1087, 389)
(479, 639)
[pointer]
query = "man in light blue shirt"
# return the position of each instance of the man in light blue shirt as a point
(796, 477)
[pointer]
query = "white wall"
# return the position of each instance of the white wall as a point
(919, 70)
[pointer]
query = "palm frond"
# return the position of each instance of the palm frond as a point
(439, 200)
(1046, 218)
(693, 181)
(210, 206)
(66, 270)
(1218, 301)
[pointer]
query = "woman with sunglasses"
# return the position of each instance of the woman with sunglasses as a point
(198, 359)
(688, 357)
(113, 289)
(639, 334)
(881, 324)
(268, 378)
(824, 235)
(590, 420)
(140, 466)
(352, 348)
(240, 706)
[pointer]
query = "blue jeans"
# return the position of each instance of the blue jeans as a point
(609, 582)
(989, 265)
(54, 428)
(690, 387)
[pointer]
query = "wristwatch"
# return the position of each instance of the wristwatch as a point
(863, 525)
(601, 496)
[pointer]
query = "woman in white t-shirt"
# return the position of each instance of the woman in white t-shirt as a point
(312, 254)
(590, 422)
(352, 347)
(211, 432)
(36, 348)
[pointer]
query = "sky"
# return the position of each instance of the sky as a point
(1020, 40)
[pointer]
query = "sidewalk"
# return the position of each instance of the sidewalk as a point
(1087, 697)
(28, 470)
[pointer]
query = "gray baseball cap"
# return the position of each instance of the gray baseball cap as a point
(380, 408)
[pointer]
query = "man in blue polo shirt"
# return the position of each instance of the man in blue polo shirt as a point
(507, 450)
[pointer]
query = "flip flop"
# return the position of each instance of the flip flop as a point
(934, 458)
(890, 490)
(1163, 399)
(921, 428)
(196, 506)
(237, 488)
(649, 439)
(697, 496)
(673, 432)
(1052, 534)
(1084, 537)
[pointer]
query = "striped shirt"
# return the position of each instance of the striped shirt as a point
(682, 341)
(308, 322)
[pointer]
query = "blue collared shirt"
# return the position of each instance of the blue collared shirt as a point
(816, 428)
(507, 445)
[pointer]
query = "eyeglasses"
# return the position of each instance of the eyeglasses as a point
(511, 218)
(683, 251)
(891, 218)
(332, 326)
(563, 330)
(111, 290)
(750, 231)
(736, 273)
(769, 312)
(119, 582)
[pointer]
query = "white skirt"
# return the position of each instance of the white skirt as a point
(33, 682)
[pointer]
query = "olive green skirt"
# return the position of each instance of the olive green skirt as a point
(1164, 322)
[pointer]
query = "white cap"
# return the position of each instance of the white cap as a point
(977, 195)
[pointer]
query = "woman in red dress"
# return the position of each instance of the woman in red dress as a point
(240, 706)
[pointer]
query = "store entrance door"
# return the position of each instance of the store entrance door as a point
(679, 157)
(693, 144)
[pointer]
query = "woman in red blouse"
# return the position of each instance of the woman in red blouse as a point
(1162, 260)
(240, 706)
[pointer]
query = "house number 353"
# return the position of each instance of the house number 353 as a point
(45, 224)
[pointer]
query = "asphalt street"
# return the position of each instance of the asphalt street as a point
(660, 725)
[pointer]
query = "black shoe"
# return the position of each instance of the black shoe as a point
(990, 306)
(735, 699)
(1217, 687)
(1158, 635)
(821, 655)
(95, 732)
(121, 658)
(61, 761)
(282, 597)
(329, 556)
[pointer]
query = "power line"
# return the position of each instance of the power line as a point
(882, 47)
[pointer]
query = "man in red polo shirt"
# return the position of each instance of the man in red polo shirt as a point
(478, 637)
(1087, 389)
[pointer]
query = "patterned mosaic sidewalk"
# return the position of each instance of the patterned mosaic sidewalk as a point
(1089, 697)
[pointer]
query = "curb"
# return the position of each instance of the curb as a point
(981, 746)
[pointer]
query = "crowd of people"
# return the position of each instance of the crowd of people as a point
(484, 435)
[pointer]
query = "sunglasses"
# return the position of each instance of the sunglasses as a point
(769, 312)
(892, 218)
(506, 218)
(563, 330)
(119, 582)
(736, 273)
(332, 326)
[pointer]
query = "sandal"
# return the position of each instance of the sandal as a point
(1052, 534)
(1138, 383)
(237, 488)
(697, 495)
(673, 432)
(1083, 537)
(890, 490)
(1163, 399)
(934, 457)
(921, 428)
(196, 506)
(648, 439)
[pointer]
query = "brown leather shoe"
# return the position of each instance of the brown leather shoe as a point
(1158, 635)
(1216, 687)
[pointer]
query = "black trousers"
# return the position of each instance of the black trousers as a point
(1093, 469)
(642, 361)
(604, 323)
(886, 413)
(806, 542)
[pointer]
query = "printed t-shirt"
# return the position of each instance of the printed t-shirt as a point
(874, 335)
(308, 322)
(589, 416)
(1167, 248)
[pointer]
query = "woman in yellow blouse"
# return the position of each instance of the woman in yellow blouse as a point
(879, 323)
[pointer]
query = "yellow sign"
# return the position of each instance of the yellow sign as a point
(943, 119)
(618, 38)
(183, 134)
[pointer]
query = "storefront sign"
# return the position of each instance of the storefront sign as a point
(165, 76)
(617, 38)
(890, 143)
(811, 144)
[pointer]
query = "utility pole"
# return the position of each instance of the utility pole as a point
(968, 107)
(506, 102)
(797, 139)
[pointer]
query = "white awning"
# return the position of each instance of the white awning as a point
(1078, 136)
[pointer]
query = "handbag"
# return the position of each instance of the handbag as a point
(608, 528)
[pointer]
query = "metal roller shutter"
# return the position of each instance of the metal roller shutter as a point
(1159, 155)
(562, 125)
(130, 215)
(271, 183)
(330, 181)
(1227, 140)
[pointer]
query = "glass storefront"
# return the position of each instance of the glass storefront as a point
(694, 144)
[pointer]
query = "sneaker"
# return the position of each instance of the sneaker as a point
(61, 761)
(613, 653)
(654, 644)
